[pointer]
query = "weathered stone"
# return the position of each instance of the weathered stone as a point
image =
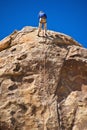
(5, 43)
(43, 82)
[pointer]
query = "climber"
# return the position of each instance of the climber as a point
(42, 22)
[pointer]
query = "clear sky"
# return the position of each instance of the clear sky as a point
(65, 16)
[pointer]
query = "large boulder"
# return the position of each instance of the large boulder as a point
(43, 82)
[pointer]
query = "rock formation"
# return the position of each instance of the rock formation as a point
(43, 82)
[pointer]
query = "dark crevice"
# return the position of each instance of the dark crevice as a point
(22, 57)
(12, 87)
(23, 107)
(12, 113)
(74, 118)
(33, 110)
(58, 113)
(58, 106)
(75, 55)
(29, 80)
(14, 49)
(16, 78)
(17, 68)
(61, 71)
(13, 121)
(10, 94)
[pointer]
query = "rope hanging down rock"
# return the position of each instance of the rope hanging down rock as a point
(44, 94)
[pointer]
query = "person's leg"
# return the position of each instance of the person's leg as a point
(39, 28)
(45, 28)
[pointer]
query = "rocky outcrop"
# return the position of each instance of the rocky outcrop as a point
(43, 82)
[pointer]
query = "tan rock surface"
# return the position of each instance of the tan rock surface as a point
(43, 82)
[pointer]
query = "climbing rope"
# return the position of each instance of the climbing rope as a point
(41, 83)
(42, 80)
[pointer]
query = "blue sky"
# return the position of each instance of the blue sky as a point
(65, 16)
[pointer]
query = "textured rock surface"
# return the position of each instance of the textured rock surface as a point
(43, 82)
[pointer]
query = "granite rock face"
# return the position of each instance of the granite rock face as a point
(43, 82)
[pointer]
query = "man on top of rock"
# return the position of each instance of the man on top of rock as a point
(42, 23)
